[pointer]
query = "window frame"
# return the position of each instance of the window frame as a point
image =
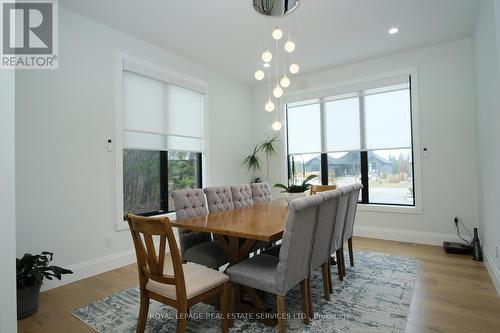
(143, 67)
(323, 93)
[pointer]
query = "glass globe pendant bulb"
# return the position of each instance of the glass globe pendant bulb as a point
(277, 92)
(285, 81)
(269, 107)
(276, 126)
(267, 56)
(289, 46)
(259, 74)
(294, 68)
(277, 33)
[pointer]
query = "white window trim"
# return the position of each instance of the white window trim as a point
(124, 61)
(337, 88)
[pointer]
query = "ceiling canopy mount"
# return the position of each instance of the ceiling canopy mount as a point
(275, 8)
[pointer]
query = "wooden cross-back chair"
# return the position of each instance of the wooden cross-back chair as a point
(166, 279)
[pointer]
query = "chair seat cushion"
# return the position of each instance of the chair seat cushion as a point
(198, 280)
(208, 254)
(258, 272)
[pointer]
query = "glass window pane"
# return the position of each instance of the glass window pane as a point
(344, 168)
(304, 129)
(342, 125)
(183, 172)
(388, 122)
(390, 175)
(143, 103)
(304, 165)
(141, 181)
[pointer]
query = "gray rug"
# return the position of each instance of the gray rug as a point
(374, 297)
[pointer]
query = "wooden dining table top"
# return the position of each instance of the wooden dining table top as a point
(262, 221)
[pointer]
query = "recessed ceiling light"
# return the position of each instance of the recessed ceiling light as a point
(393, 31)
(266, 64)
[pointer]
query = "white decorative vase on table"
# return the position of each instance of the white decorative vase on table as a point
(291, 196)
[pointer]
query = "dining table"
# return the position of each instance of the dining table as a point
(238, 231)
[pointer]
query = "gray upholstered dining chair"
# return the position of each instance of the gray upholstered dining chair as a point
(196, 247)
(219, 199)
(242, 196)
(337, 244)
(261, 192)
(351, 216)
(277, 275)
(323, 238)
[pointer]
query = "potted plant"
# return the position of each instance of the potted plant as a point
(30, 272)
(253, 161)
(294, 191)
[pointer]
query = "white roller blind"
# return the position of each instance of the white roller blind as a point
(161, 116)
(304, 129)
(342, 125)
(387, 120)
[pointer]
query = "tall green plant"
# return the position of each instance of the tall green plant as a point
(253, 161)
(268, 147)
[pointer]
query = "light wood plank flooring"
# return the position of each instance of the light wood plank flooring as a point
(452, 293)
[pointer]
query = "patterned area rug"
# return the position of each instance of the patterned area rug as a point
(374, 297)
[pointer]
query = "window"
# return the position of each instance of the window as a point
(363, 136)
(162, 141)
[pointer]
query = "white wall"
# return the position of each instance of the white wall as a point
(485, 46)
(65, 177)
(8, 322)
(447, 129)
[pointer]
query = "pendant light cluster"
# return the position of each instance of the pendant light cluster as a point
(277, 67)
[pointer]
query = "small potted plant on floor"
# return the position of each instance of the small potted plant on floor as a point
(30, 272)
(295, 191)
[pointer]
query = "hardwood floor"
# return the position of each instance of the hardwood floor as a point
(452, 293)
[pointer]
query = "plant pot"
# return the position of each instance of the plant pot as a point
(291, 196)
(27, 300)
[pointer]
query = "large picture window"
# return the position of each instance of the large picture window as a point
(162, 142)
(360, 136)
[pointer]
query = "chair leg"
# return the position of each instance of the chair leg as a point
(309, 296)
(339, 265)
(351, 255)
(330, 288)
(305, 301)
(182, 316)
(280, 303)
(326, 286)
(143, 313)
(343, 261)
(224, 307)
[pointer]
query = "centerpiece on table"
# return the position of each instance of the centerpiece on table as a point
(295, 191)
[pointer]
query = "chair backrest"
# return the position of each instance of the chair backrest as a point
(297, 242)
(351, 211)
(242, 196)
(324, 229)
(261, 192)
(340, 219)
(219, 199)
(150, 263)
(322, 188)
(189, 203)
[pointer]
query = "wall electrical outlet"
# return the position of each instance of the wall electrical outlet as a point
(109, 241)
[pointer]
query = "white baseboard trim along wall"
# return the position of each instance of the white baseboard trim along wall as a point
(492, 269)
(403, 235)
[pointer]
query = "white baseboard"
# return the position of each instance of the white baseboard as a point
(403, 235)
(88, 268)
(492, 269)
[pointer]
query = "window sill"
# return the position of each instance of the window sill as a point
(123, 225)
(390, 209)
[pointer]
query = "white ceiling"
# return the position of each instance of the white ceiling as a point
(229, 36)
